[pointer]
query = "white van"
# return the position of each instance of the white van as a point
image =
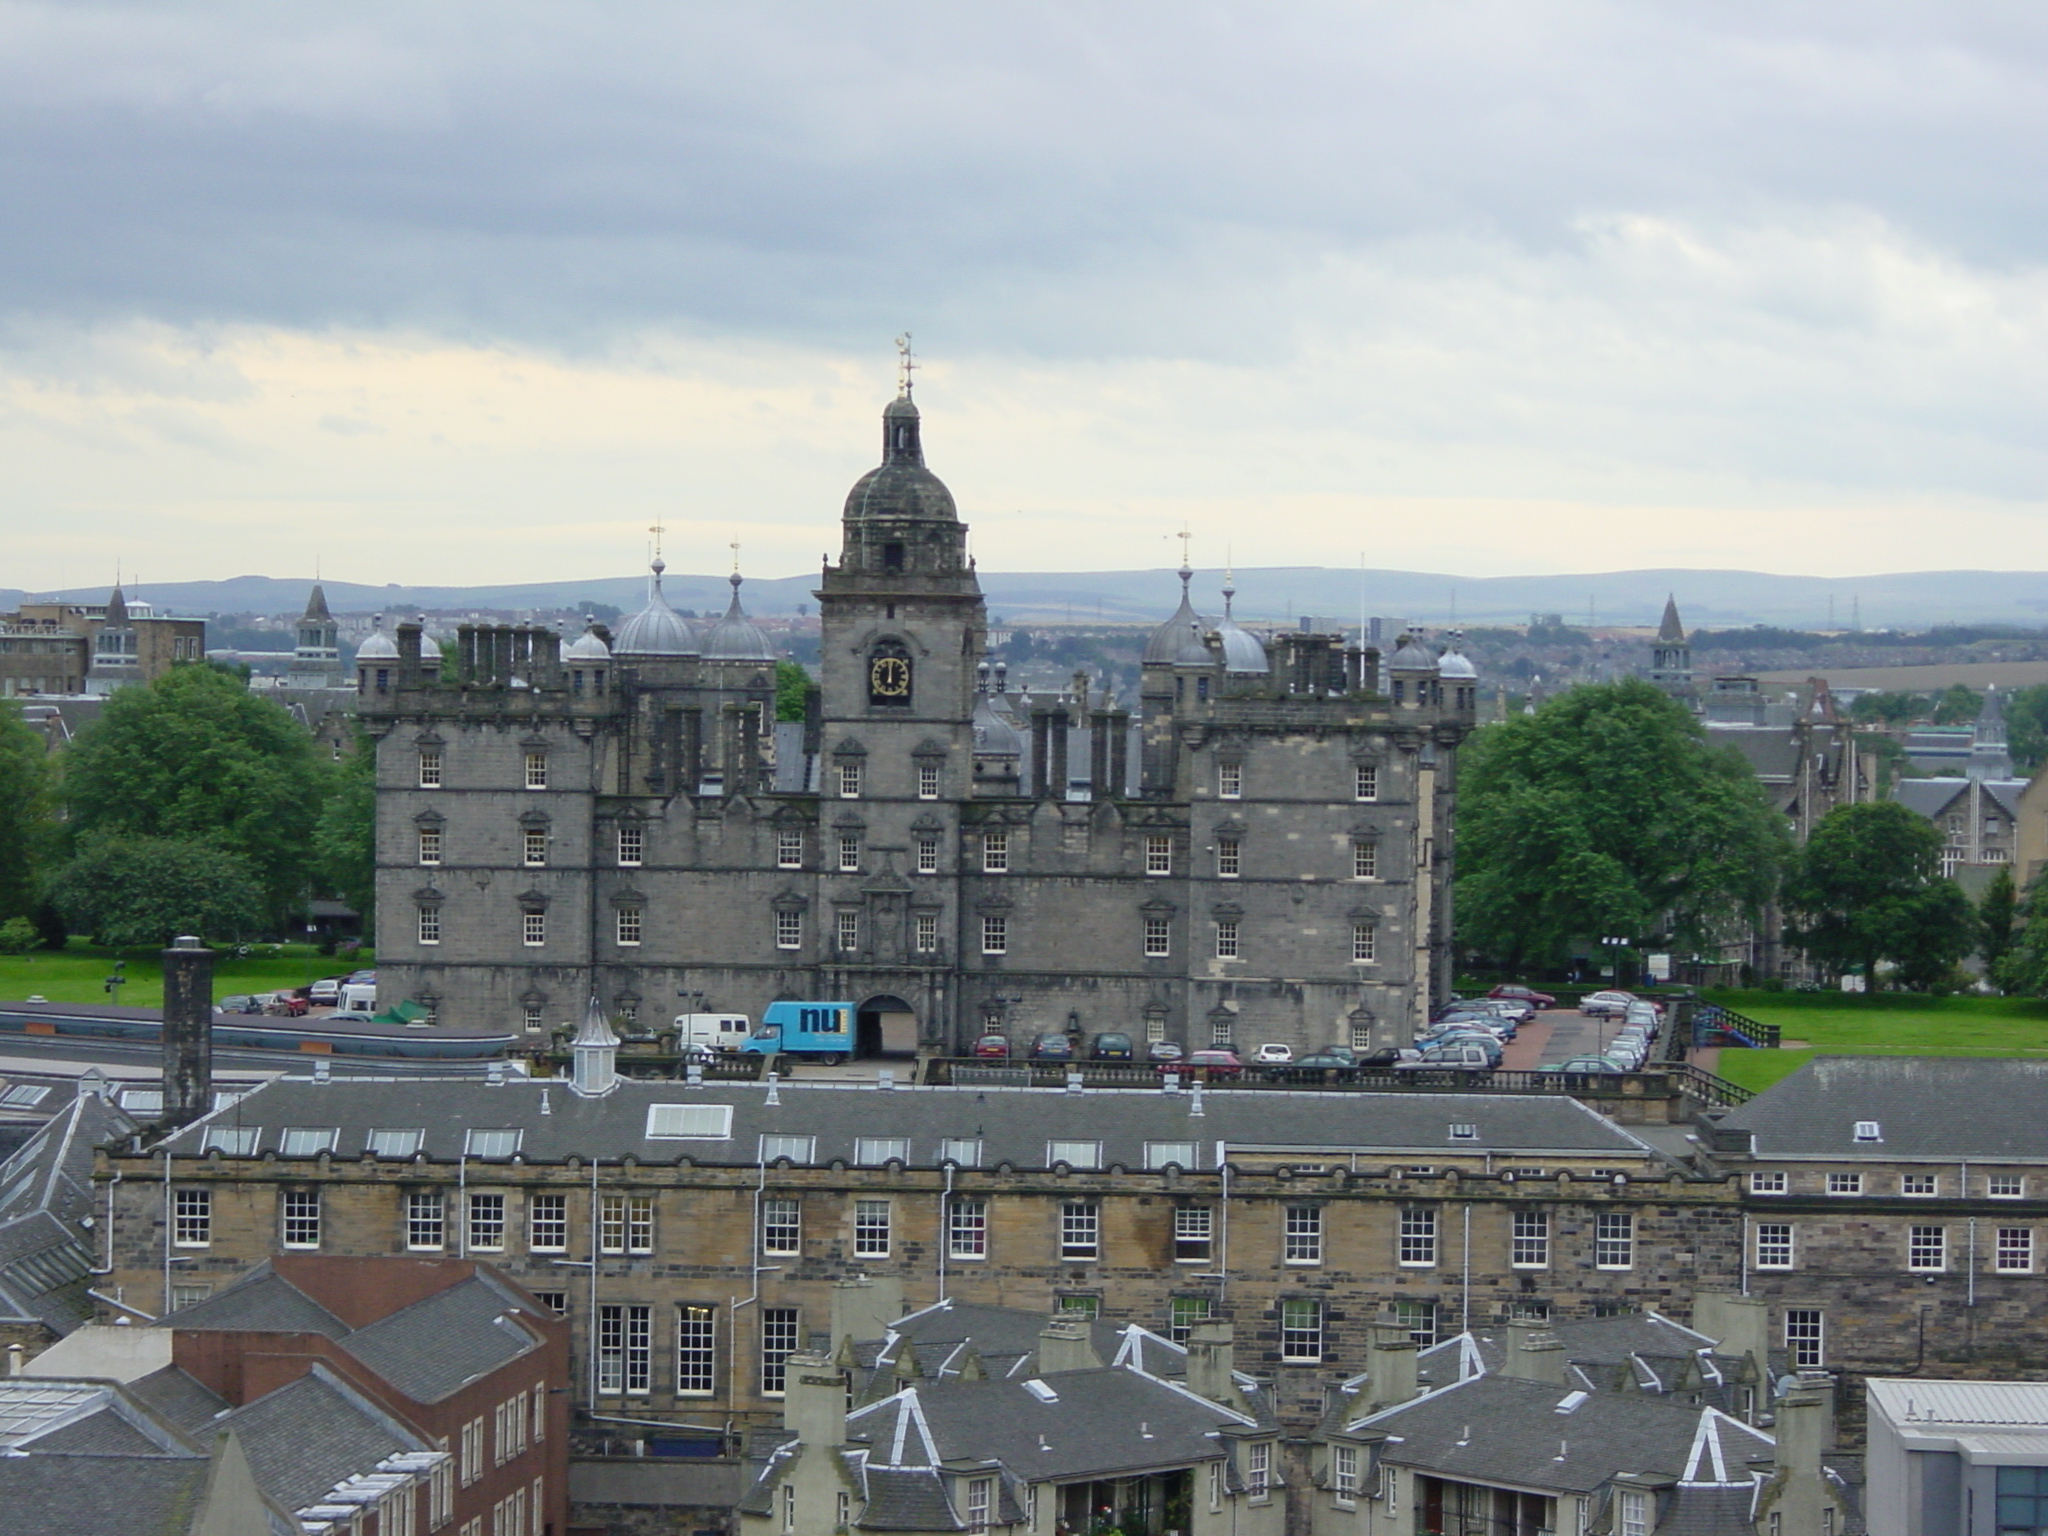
(723, 1033)
(358, 1000)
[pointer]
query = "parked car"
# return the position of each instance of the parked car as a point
(1524, 994)
(1646, 1014)
(239, 1002)
(1510, 1008)
(1349, 1053)
(1164, 1050)
(326, 991)
(1599, 1005)
(286, 1005)
(995, 1046)
(1273, 1053)
(1320, 1062)
(1452, 1056)
(1052, 1048)
(1215, 1061)
(1588, 1066)
(1112, 1045)
(1460, 1039)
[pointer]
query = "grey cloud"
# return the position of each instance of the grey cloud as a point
(1054, 180)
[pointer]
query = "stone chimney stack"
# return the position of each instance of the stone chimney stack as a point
(188, 1031)
(1212, 1358)
(1533, 1353)
(864, 1307)
(1805, 1431)
(814, 1400)
(1738, 1325)
(1064, 1345)
(1390, 1366)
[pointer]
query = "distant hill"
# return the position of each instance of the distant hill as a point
(1709, 599)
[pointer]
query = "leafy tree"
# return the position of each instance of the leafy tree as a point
(18, 936)
(2026, 721)
(196, 757)
(1957, 705)
(25, 822)
(1868, 888)
(1887, 708)
(345, 840)
(1997, 913)
(1607, 812)
(2024, 967)
(792, 687)
(129, 891)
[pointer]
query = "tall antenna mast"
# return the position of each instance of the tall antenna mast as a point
(905, 364)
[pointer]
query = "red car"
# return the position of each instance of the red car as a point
(1522, 994)
(997, 1046)
(1212, 1062)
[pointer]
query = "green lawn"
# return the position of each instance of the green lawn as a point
(76, 975)
(1833, 1024)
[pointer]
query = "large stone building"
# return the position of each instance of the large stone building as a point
(1262, 852)
(77, 648)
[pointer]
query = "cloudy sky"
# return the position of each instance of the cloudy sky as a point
(459, 292)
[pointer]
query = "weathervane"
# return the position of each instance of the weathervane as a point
(1185, 537)
(657, 530)
(735, 547)
(905, 363)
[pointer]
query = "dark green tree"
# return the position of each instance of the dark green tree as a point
(345, 840)
(1868, 888)
(1997, 919)
(2026, 723)
(1957, 705)
(1888, 708)
(792, 687)
(1607, 812)
(196, 758)
(127, 891)
(25, 813)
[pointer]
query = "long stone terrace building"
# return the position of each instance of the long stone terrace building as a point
(697, 1234)
(1261, 851)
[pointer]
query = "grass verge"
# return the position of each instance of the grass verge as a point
(1889, 1024)
(78, 974)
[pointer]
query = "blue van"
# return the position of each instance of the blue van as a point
(820, 1030)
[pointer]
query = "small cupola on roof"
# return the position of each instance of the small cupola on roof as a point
(1243, 655)
(735, 637)
(594, 1055)
(657, 629)
(377, 646)
(1179, 642)
(900, 487)
(1454, 663)
(588, 646)
(1411, 655)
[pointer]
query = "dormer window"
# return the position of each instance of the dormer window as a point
(1867, 1130)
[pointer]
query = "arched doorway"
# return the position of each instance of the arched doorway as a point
(885, 1026)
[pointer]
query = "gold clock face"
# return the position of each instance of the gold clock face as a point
(889, 678)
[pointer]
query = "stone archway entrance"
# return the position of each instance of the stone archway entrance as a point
(885, 1025)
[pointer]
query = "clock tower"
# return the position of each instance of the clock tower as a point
(903, 628)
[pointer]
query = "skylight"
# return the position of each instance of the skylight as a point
(143, 1101)
(1075, 1154)
(1867, 1130)
(689, 1122)
(798, 1149)
(491, 1143)
(24, 1095)
(235, 1140)
(873, 1151)
(393, 1143)
(302, 1141)
(1180, 1153)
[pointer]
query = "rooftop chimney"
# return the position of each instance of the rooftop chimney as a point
(1212, 1358)
(1390, 1366)
(187, 1032)
(1805, 1431)
(814, 1400)
(864, 1307)
(1064, 1345)
(1533, 1353)
(1738, 1325)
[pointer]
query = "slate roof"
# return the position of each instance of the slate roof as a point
(1014, 1125)
(427, 1350)
(1503, 1431)
(261, 1302)
(45, 1195)
(86, 1495)
(436, 1346)
(1925, 1107)
(175, 1395)
(1004, 1340)
(1636, 1351)
(312, 1434)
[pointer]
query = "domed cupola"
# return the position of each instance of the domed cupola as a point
(657, 629)
(377, 646)
(1454, 664)
(588, 646)
(900, 488)
(1411, 655)
(1243, 655)
(1179, 641)
(735, 637)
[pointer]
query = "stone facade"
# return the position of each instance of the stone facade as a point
(1262, 853)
